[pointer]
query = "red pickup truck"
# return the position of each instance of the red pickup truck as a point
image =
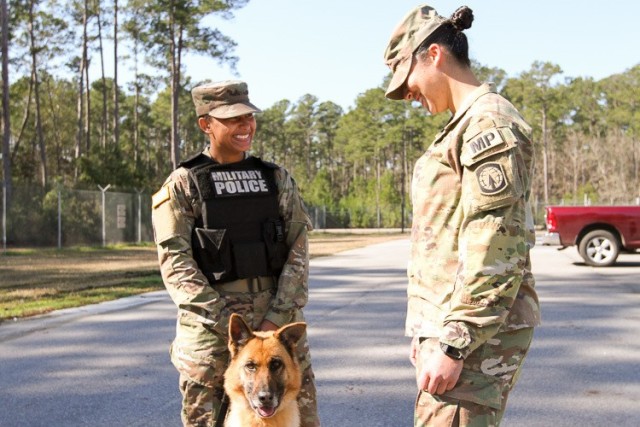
(600, 232)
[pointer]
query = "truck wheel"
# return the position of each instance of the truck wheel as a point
(599, 248)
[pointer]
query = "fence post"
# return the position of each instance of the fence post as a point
(139, 216)
(59, 219)
(4, 215)
(104, 231)
(324, 216)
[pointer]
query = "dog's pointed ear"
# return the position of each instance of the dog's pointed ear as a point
(290, 334)
(239, 333)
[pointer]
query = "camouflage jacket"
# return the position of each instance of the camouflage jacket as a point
(470, 271)
(175, 210)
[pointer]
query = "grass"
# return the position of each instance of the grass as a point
(31, 305)
(38, 281)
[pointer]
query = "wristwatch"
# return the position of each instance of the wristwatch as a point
(450, 351)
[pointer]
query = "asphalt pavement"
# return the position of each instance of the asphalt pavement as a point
(108, 364)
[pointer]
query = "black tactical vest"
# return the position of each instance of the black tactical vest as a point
(240, 233)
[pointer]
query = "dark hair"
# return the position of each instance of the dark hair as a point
(450, 35)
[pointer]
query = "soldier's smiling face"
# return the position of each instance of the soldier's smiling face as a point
(231, 137)
(425, 82)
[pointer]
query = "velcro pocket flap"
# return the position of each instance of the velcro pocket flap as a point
(210, 239)
(213, 253)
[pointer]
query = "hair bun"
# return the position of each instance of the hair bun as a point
(462, 18)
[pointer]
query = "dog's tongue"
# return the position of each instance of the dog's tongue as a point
(266, 412)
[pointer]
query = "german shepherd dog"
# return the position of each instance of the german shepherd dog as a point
(263, 378)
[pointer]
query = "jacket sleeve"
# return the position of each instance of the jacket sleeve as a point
(495, 235)
(173, 218)
(293, 291)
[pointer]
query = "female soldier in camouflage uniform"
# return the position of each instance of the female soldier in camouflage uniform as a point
(231, 232)
(472, 304)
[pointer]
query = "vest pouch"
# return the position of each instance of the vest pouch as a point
(273, 235)
(212, 252)
(250, 259)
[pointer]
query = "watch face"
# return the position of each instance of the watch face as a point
(452, 352)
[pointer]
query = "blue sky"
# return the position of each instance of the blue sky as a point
(333, 48)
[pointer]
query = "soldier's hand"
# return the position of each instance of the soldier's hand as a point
(439, 373)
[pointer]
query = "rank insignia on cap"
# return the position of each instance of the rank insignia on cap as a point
(491, 178)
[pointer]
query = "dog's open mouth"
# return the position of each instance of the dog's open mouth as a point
(265, 411)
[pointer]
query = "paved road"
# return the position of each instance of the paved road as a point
(107, 365)
(584, 365)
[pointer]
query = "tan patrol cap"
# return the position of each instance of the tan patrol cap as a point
(419, 24)
(223, 100)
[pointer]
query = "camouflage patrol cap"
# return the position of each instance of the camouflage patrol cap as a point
(223, 100)
(414, 28)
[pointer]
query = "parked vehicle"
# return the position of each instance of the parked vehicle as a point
(599, 232)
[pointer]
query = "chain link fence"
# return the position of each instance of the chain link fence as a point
(62, 217)
(363, 217)
(395, 217)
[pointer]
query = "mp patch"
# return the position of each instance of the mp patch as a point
(485, 141)
(491, 178)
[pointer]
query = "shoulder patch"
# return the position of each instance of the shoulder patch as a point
(160, 197)
(487, 140)
(486, 144)
(491, 178)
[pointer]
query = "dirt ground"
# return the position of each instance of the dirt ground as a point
(33, 271)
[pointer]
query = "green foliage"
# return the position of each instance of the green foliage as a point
(586, 194)
(352, 163)
(319, 193)
(28, 220)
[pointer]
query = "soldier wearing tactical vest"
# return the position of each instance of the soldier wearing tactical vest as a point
(231, 232)
(472, 303)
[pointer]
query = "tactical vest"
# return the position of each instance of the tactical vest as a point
(240, 233)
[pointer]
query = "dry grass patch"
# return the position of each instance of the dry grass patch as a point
(36, 281)
(323, 244)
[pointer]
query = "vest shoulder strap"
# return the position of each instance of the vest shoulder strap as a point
(268, 164)
(198, 160)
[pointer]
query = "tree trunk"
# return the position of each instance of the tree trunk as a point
(136, 103)
(116, 106)
(6, 117)
(36, 88)
(87, 112)
(80, 102)
(105, 113)
(308, 153)
(175, 150)
(55, 122)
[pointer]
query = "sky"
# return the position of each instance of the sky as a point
(333, 49)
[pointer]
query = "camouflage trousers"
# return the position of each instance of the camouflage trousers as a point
(201, 356)
(480, 397)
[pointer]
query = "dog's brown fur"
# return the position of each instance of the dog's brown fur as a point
(263, 378)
